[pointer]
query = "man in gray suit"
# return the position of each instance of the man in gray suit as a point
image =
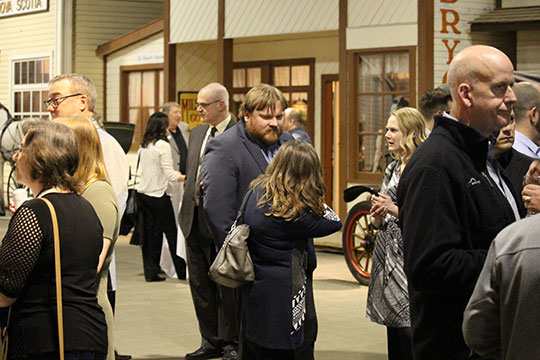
(178, 135)
(211, 301)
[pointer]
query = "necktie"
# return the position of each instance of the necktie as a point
(213, 132)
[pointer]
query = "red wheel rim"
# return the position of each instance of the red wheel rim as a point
(360, 254)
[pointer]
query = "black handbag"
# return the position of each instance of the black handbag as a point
(129, 218)
(233, 266)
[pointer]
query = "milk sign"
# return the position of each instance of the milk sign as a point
(21, 7)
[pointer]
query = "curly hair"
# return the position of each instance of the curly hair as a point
(293, 182)
(412, 126)
(51, 150)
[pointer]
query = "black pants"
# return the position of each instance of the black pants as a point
(252, 351)
(399, 343)
(215, 306)
(158, 216)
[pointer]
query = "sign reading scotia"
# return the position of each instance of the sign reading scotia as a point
(21, 7)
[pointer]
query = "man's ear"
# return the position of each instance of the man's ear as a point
(83, 103)
(533, 116)
(464, 93)
(246, 115)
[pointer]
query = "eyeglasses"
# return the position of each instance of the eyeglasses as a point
(56, 101)
(205, 105)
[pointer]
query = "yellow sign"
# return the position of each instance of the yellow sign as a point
(190, 115)
(20, 7)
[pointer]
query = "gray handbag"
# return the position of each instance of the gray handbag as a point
(232, 266)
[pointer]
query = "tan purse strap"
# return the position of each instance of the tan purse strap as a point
(58, 273)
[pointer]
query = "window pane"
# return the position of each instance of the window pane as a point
(370, 73)
(396, 70)
(35, 101)
(281, 76)
(300, 101)
(148, 88)
(31, 72)
(24, 75)
(134, 89)
(17, 73)
(44, 95)
(18, 103)
(133, 115)
(253, 77)
(239, 78)
(46, 70)
(26, 101)
(39, 71)
(300, 75)
(370, 132)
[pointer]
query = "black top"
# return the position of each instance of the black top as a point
(27, 273)
(515, 165)
(274, 303)
(449, 211)
(182, 148)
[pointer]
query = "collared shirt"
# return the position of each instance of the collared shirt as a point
(495, 175)
(525, 145)
(270, 152)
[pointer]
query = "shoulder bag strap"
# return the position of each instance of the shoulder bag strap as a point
(58, 272)
(242, 210)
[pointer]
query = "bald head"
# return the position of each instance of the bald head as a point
(217, 92)
(480, 79)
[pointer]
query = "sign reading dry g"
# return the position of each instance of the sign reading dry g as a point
(21, 7)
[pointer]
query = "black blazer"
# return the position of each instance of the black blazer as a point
(515, 165)
(185, 217)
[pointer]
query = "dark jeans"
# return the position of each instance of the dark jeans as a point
(70, 355)
(252, 351)
(158, 217)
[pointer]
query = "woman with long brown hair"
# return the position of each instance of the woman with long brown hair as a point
(284, 209)
(388, 297)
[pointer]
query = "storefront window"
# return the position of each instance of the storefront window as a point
(30, 84)
(384, 82)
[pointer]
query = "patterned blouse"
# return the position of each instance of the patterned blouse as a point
(388, 297)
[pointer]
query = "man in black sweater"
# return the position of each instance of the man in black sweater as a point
(450, 207)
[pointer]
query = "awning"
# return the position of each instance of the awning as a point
(508, 19)
(532, 76)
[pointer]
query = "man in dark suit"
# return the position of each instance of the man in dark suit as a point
(233, 160)
(210, 301)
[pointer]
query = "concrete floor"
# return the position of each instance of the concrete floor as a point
(157, 320)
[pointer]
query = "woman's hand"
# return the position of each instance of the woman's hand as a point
(12, 208)
(382, 205)
(181, 177)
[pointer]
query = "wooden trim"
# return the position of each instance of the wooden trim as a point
(131, 38)
(426, 25)
(507, 26)
(104, 88)
(341, 208)
(327, 135)
(311, 97)
(124, 95)
(142, 67)
(225, 53)
(354, 175)
(169, 59)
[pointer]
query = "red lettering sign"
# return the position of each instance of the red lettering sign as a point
(450, 49)
(446, 22)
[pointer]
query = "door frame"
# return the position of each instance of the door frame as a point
(327, 132)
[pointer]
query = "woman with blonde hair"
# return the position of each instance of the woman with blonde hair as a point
(91, 176)
(388, 297)
(285, 207)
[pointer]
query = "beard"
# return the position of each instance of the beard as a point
(266, 137)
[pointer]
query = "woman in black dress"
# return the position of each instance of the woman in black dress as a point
(46, 163)
(285, 209)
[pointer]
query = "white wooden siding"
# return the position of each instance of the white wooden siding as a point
(21, 36)
(269, 17)
(193, 20)
(362, 13)
(99, 21)
(147, 51)
(468, 10)
(519, 3)
(196, 65)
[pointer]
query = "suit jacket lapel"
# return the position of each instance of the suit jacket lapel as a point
(253, 148)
